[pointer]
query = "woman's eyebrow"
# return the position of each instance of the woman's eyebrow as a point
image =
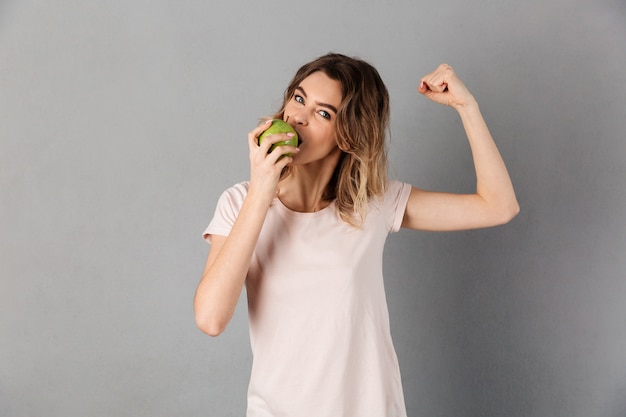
(329, 106)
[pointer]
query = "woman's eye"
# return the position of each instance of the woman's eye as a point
(299, 99)
(325, 114)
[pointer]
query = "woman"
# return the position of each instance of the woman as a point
(305, 235)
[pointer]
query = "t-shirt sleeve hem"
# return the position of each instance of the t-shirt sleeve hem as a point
(403, 199)
(226, 211)
(214, 231)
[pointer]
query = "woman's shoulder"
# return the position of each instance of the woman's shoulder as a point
(235, 194)
(394, 185)
(392, 203)
(240, 188)
(395, 189)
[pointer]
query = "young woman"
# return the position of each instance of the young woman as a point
(305, 236)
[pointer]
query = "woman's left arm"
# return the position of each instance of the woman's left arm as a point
(494, 202)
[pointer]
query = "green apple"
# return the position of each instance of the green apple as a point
(279, 126)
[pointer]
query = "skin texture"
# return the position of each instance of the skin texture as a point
(311, 112)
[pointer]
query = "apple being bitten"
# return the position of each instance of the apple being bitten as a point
(279, 126)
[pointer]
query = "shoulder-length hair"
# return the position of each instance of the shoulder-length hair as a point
(361, 124)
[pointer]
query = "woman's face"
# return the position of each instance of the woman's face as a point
(312, 111)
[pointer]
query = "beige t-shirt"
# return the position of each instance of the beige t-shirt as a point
(319, 323)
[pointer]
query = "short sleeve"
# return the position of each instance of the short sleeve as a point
(395, 201)
(226, 211)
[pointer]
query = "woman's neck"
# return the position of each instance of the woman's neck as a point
(304, 189)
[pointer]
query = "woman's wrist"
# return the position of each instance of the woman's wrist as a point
(259, 199)
(469, 106)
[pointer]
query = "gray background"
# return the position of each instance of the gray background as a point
(122, 122)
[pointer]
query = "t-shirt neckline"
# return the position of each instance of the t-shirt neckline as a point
(283, 208)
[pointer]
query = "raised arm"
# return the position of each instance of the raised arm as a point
(229, 258)
(494, 202)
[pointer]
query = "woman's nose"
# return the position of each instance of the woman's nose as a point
(300, 118)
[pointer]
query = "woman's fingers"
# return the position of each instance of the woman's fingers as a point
(435, 77)
(435, 85)
(444, 87)
(253, 136)
(269, 140)
(269, 157)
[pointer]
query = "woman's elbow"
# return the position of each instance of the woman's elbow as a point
(509, 212)
(211, 326)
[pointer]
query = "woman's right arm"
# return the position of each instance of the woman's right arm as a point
(229, 258)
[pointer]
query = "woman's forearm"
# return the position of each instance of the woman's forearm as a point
(493, 183)
(227, 267)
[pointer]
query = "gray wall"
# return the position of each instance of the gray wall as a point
(121, 122)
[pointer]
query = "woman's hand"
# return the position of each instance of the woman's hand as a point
(444, 87)
(266, 166)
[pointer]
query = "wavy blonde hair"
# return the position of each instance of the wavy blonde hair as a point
(361, 125)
